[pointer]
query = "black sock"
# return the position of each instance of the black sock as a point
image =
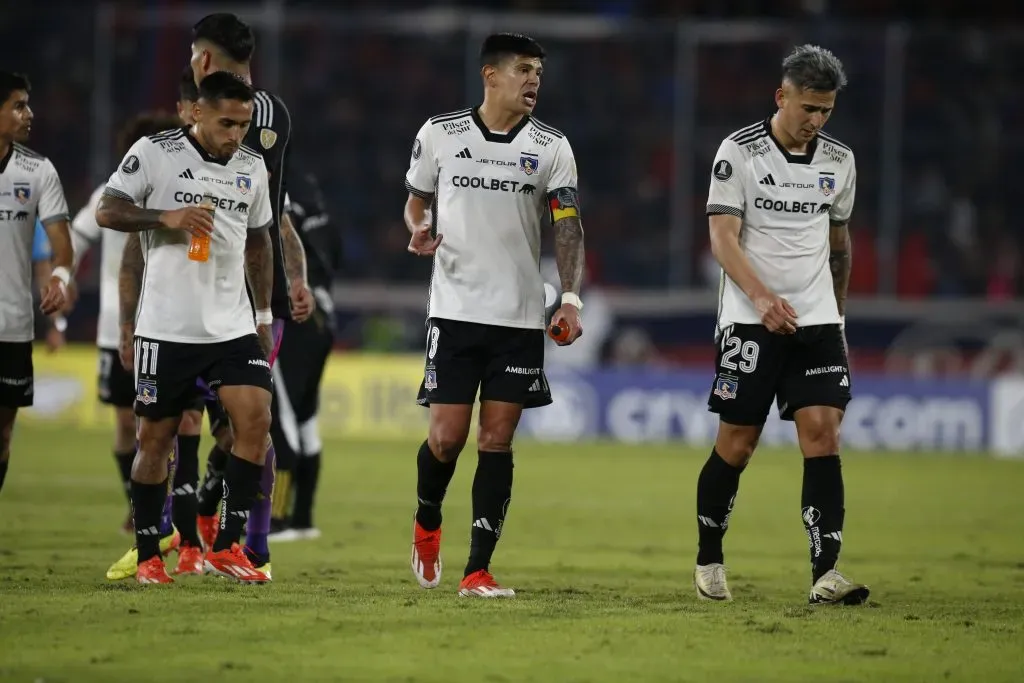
(241, 484)
(433, 477)
(823, 511)
(148, 504)
(307, 474)
(492, 493)
(124, 465)
(186, 479)
(3, 472)
(209, 493)
(716, 492)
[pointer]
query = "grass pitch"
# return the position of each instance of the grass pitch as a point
(599, 543)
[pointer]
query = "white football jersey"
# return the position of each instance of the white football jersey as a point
(786, 202)
(183, 300)
(29, 188)
(490, 196)
(85, 231)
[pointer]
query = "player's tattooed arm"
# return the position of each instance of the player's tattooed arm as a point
(840, 262)
(569, 254)
(129, 279)
(259, 265)
(294, 253)
(123, 215)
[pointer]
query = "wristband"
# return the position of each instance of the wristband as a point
(62, 274)
(264, 317)
(572, 299)
(60, 323)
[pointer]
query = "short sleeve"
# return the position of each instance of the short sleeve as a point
(41, 244)
(842, 208)
(563, 168)
(421, 179)
(260, 212)
(132, 180)
(52, 204)
(726, 193)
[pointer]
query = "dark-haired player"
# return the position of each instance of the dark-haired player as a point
(32, 190)
(194, 318)
(223, 42)
(789, 189)
(480, 182)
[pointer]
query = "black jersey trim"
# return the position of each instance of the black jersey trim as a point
(206, 156)
(25, 151)
(109, 191)
(546, 128)
(249, 150)
(505, 138)
(171, 134)
(832, 140)
(718, 209)
(751, 137)
(451, 116)
(791, 158)
(7, 158)
(743, 132)
(417, 192)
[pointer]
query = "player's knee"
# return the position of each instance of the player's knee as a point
(736, 444)
(125, 429)
(818, 431)
(446, 441)
(253, 421)
(191, 423)
(495, 438)
(154, 445)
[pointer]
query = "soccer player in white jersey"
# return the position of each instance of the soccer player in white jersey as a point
(115, 384)
(29, 188)
(781, 196)
(194, 316)
(480, 181)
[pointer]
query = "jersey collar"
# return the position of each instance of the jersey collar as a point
(792, 158)
(7, 158)
(206, 156)
(499, 137)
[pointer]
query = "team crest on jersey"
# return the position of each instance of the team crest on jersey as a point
(267, 138)
(726, 386)
(22, 192)
(243, 184)
(827, 185)
(529, 163)
(430, 379)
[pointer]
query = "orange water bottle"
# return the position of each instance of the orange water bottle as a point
(199, 247)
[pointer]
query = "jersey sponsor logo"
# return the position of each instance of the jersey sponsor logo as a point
(723, 170)
(786, 206)
(194, 198)
(243, 184)
(836, 154)
(22, 192)
(527, 188)
(770, 180)
(497, 162)
(827, 184)
(529, 163)
(267, 138)
(540, 138)
(455, 127)
(492, 184)
(26, 164)
(516, 370)
(825, 370)
(260, 362)
(8, 215)
(131, 165)
(759, 148)
(417, 149)
(172, 146)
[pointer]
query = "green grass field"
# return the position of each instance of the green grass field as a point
(599, 543)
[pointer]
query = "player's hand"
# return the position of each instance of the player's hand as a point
(191, 219)
(776, 314)
(567, 320)
(54, 296)
(303, 303)
(126, 347)
(421, 243)
(266, 337)
(70, 298)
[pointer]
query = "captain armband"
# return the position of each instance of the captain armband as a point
(564, 203)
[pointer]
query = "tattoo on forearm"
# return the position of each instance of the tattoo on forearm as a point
(294, 253)
(259, 265)
(129, 280)
(840, 263)
(122, 215)
(569, 252)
